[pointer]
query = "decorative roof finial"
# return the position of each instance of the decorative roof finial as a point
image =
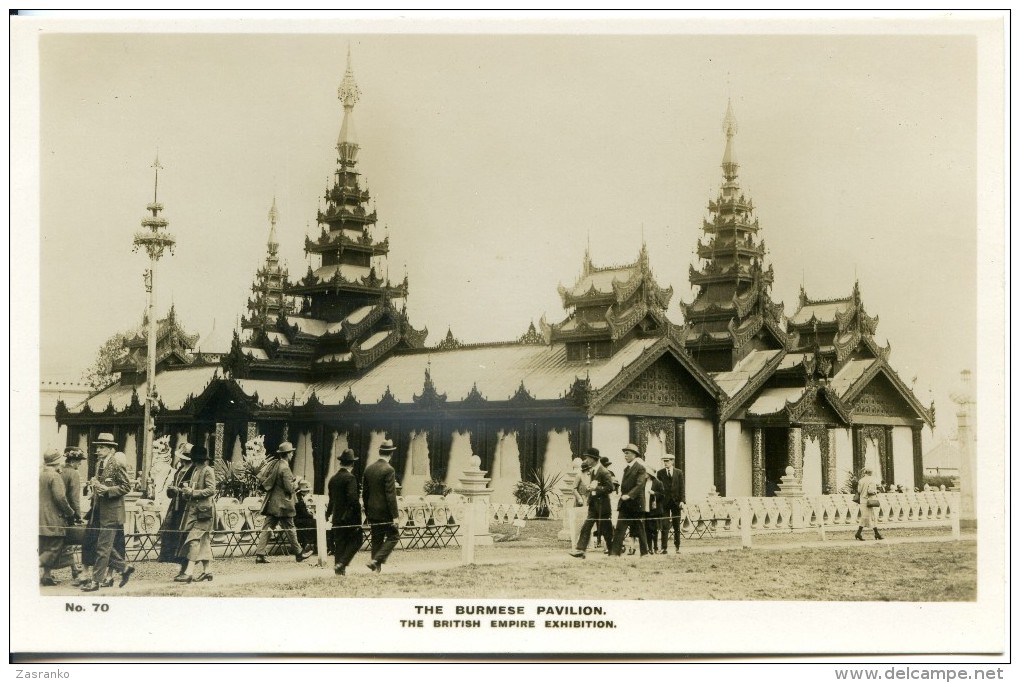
(729, 125)
(155, 190)
(274, 215)
(348, 92)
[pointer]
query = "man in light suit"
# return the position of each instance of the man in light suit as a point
(672, 497)
(278, 507)
(109, 487)
(631, 505)
(380, 492)
(599, 511)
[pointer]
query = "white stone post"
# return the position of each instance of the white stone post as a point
(570, 528)
(954, 516)
(474, 486)
(745, 522)
(963, 396)
(320, 528)
(467, 548)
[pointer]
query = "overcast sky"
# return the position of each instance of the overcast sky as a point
(494, 159)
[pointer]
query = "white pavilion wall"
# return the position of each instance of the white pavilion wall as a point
(303, 465)
(812, 479)
(841, 444)
(336, 447)
(609, 434)
(129, 450)
(506, 468)
(698, 458)
(558, 456)
(738, 460)
(655, 448)
(373, 448)
(417, 466)
(460, 458)
(872, 460)
(903, 457)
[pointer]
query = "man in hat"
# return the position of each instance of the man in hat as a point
(278, 506)
(72, 484)
(672, 498)
(599, 509)
(109, 487)
(381, 505)
(304, 522)
(631, 505)
(344, 512)
(55, 514)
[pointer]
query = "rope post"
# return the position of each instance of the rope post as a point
(745, 523)
(320, 528)
(467, 551)
(954, 519)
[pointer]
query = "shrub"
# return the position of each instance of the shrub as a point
(434, 487)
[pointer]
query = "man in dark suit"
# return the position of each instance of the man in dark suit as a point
(380, 486)
(344, 512)
(672, 497)
(631, 506)
(599, 510)
(109, 487)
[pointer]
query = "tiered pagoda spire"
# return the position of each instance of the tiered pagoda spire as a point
(733, 303)
(350, 258)
(270, 302)
(349, 318)
(611, 305)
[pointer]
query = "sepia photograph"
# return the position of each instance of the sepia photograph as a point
(674, 337)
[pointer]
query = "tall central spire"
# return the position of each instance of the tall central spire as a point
(348, 94)
(729, 161)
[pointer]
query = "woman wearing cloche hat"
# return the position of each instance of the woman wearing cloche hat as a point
(199, 517)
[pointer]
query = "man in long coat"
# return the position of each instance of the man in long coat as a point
(344, 512)
(277, 482)
(631, 505)
(75, 532)
(109, 487)
(672, 496)
(55, 514)
(600, 512)
(380, 483)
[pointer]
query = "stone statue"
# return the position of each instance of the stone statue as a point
(160, 471)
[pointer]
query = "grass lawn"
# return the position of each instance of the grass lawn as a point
(921, 565)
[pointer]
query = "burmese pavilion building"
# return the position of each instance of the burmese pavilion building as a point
(738, 391)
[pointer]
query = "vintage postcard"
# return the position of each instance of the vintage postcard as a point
(659, 336)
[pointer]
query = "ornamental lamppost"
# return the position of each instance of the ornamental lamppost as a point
(154, 239)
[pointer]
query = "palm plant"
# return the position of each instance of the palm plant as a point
(538, 490)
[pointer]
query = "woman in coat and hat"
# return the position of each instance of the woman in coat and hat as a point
(199, 517)
(867, 489)
(171, 534)
(55, 514)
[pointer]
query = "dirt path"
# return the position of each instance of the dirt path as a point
(243, 571)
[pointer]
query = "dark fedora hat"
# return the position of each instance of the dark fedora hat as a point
(347, 457)
(199, 454)
(590, 453)
(606, 462)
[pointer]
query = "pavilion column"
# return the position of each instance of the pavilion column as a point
(829, 463)
(719, 457)
(681, 448)
(915, 433)
(757, 464)
(252, 431)
(795, 452)
(218, 443)
(857, 439)
(890, 470)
